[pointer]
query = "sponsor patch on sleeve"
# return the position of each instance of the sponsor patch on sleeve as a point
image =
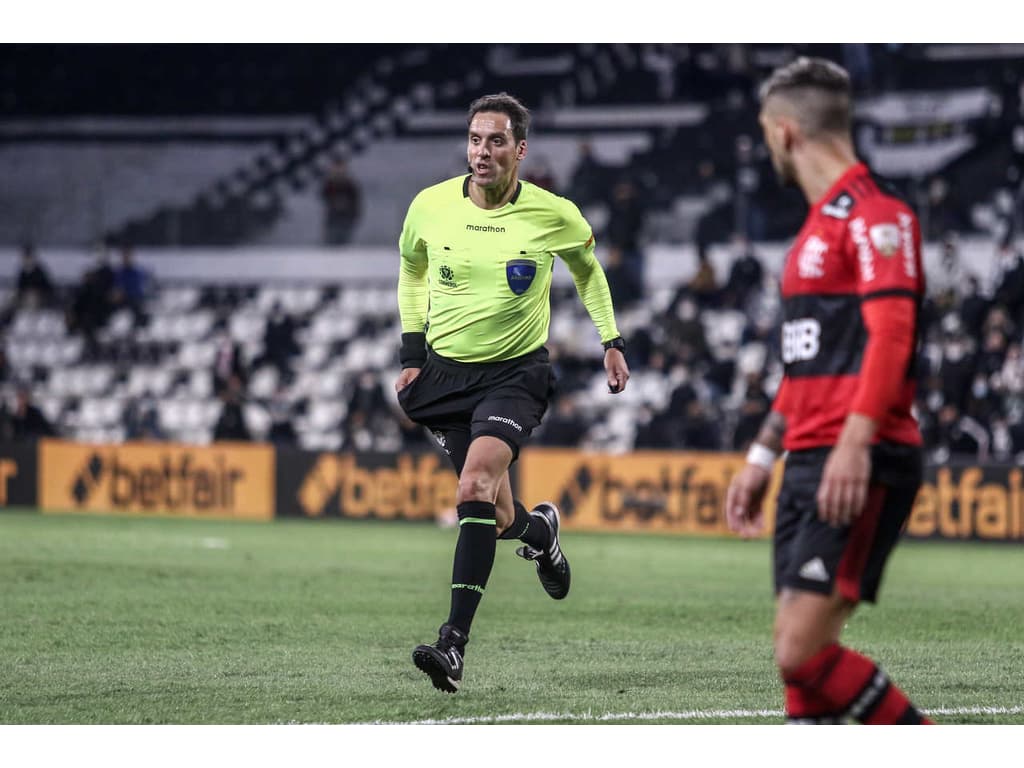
(886, 239)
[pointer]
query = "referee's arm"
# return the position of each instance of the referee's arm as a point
(413, 301)
(592, 286)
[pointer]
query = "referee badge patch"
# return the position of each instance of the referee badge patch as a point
(520, 274)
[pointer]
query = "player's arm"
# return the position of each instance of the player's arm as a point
(744, 500)
(412, 302)
(888, 286)
(592, 287)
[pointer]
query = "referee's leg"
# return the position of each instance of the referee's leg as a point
(486, 466)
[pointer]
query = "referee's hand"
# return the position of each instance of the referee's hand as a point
(405, 378)
(617, 370)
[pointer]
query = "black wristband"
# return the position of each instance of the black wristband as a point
(617, 343)
(413, 353)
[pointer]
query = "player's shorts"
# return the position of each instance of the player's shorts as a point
(460, 402)
(813, 556)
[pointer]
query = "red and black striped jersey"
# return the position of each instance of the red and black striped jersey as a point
(851, 289)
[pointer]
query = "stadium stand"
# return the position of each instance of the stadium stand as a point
(121, 145)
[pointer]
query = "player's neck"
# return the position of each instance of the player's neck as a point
(822, 165)
(493, 197)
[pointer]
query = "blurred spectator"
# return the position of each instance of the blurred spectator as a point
(412, 435)
(589, 177)
(366, 401)
(141, 419)
(942, 213)
(993, 352)
(343, 204)
(621, 280)
(231, 423)
(960, 435)
(282, 430)
(93, 301)
(35, 288)
(1010, 291)
(279, 345)
(685, 341)
(540, 173)
(1011, 375)
(654, 431)
(700, 431)
(626, 216)
(945, 284)
(131, 283)
(719, 217)
(745, 274)
(228, 363)
(973, 307)
(27, 420)
(357, 435)
(957, 367)
(753, 410)
(565, 427)
(704, 284)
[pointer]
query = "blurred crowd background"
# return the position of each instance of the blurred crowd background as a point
(131, 174)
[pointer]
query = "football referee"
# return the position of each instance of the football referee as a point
(477, 255)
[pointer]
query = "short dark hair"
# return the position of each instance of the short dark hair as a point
(506, 104)
(818, 88)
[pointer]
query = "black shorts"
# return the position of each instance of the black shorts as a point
(814, 556)
(460, 402)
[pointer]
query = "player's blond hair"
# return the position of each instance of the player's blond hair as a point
(818, 92)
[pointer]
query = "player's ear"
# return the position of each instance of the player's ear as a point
(521, 150)
(788, 134)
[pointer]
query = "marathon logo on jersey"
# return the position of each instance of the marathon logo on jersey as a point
(885, 238)
(906, 222)
(801, 340)
(520, 274)
(484, 228)
(447, 276)
(839, 207)
(811, 261)
(859, 233)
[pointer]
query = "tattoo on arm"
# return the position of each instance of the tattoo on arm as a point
(772, 430)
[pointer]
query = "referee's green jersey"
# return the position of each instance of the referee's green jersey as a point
(479, 281)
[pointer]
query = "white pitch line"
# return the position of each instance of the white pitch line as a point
(725, 714)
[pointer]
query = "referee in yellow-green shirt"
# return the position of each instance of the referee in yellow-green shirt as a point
(477, 254)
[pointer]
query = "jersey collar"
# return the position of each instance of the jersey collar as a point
(857, 169)
(511, 201)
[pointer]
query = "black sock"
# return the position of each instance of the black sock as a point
(528, 530)
(474, 558)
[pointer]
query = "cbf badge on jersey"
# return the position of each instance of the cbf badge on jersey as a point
(520, 274)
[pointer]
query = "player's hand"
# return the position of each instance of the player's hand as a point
(405, 378)
(843, 490)
(744, 500)
(617, 370)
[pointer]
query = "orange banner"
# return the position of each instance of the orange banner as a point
(642, 491)
(224, 480)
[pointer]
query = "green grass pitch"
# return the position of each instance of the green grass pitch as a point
(125, 620)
